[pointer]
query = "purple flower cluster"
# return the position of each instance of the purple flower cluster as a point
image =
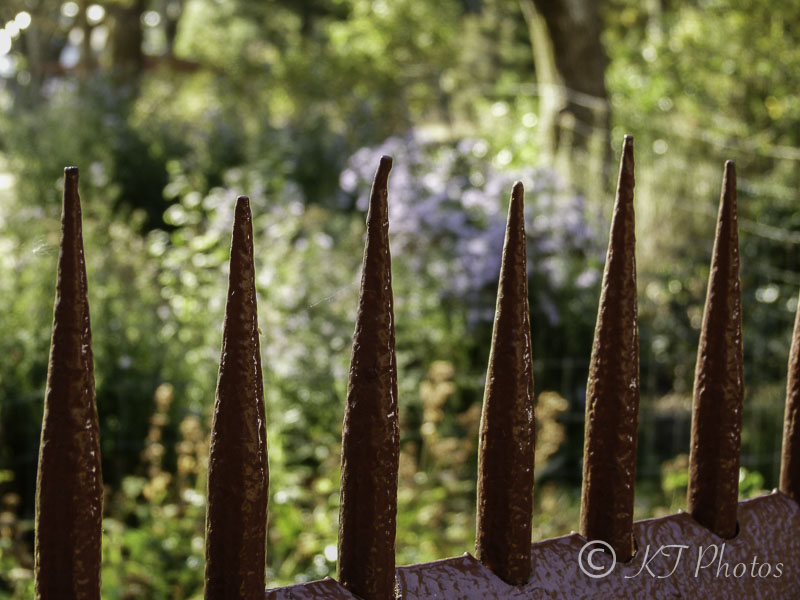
(447, 209)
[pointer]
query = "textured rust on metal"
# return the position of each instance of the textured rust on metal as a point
(459, 577)
(612, 393)
(506, 451)
(326, 589)
(238, 476)
(719, 381)
(790, 456)
(69, 494)
(673, 574)
(370, 435)
(727, 568)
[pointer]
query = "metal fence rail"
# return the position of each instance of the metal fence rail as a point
(507, 565)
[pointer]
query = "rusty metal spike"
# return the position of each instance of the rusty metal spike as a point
(790, 456)
(612, 392)
(238, 474)
(506, 450)
(719, 381)
(370, 435)
(69, 492)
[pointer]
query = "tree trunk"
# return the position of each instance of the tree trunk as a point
(570, 66)
(172, 14)
(127, 57)
(87, 63)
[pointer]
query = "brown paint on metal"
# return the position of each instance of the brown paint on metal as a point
(790, 456)
(238, 475)
(325, 589)
(719, 381)
(69, 493)
(612, 392)
(673, 574)
(726, 570)
(370, 435)
(459, 577)
(506, 449)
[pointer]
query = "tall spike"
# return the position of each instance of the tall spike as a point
(238, 473)
(612, 392)
(506, 453)
(790, 456)
(69, 491)
(370, 435)
(719, 381)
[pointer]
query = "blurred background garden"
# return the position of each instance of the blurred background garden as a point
(173, 107)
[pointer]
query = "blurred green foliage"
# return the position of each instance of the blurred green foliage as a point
(292, 103)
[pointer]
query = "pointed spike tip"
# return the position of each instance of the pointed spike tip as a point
(627, 149)
(729, 178)
(715, 450)
(370, 431)
(238, 469)
(382, 174)
(506, 447)
(516, 208)
(626, 182)
(68, 529)
(728, 198)
(242, 203)
(627, 152)
(612, 392)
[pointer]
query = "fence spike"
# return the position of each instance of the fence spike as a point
(612, 392)
(69, 491)
(790, 455)
(370, 435)
(506, 453)
(238, 473)
(714, 455)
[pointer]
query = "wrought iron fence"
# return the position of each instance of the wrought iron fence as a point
(506, 564)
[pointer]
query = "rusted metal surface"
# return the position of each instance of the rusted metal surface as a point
(790, 455)
(612, 392)
(326, 589)
(719, 381)
(720, 549)
(460, 577)
(506, 452)
(238, 477)
(676, 556)
(555, 574)
(703, 570)
(717, 574)
(370, 435)
(69, 493)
